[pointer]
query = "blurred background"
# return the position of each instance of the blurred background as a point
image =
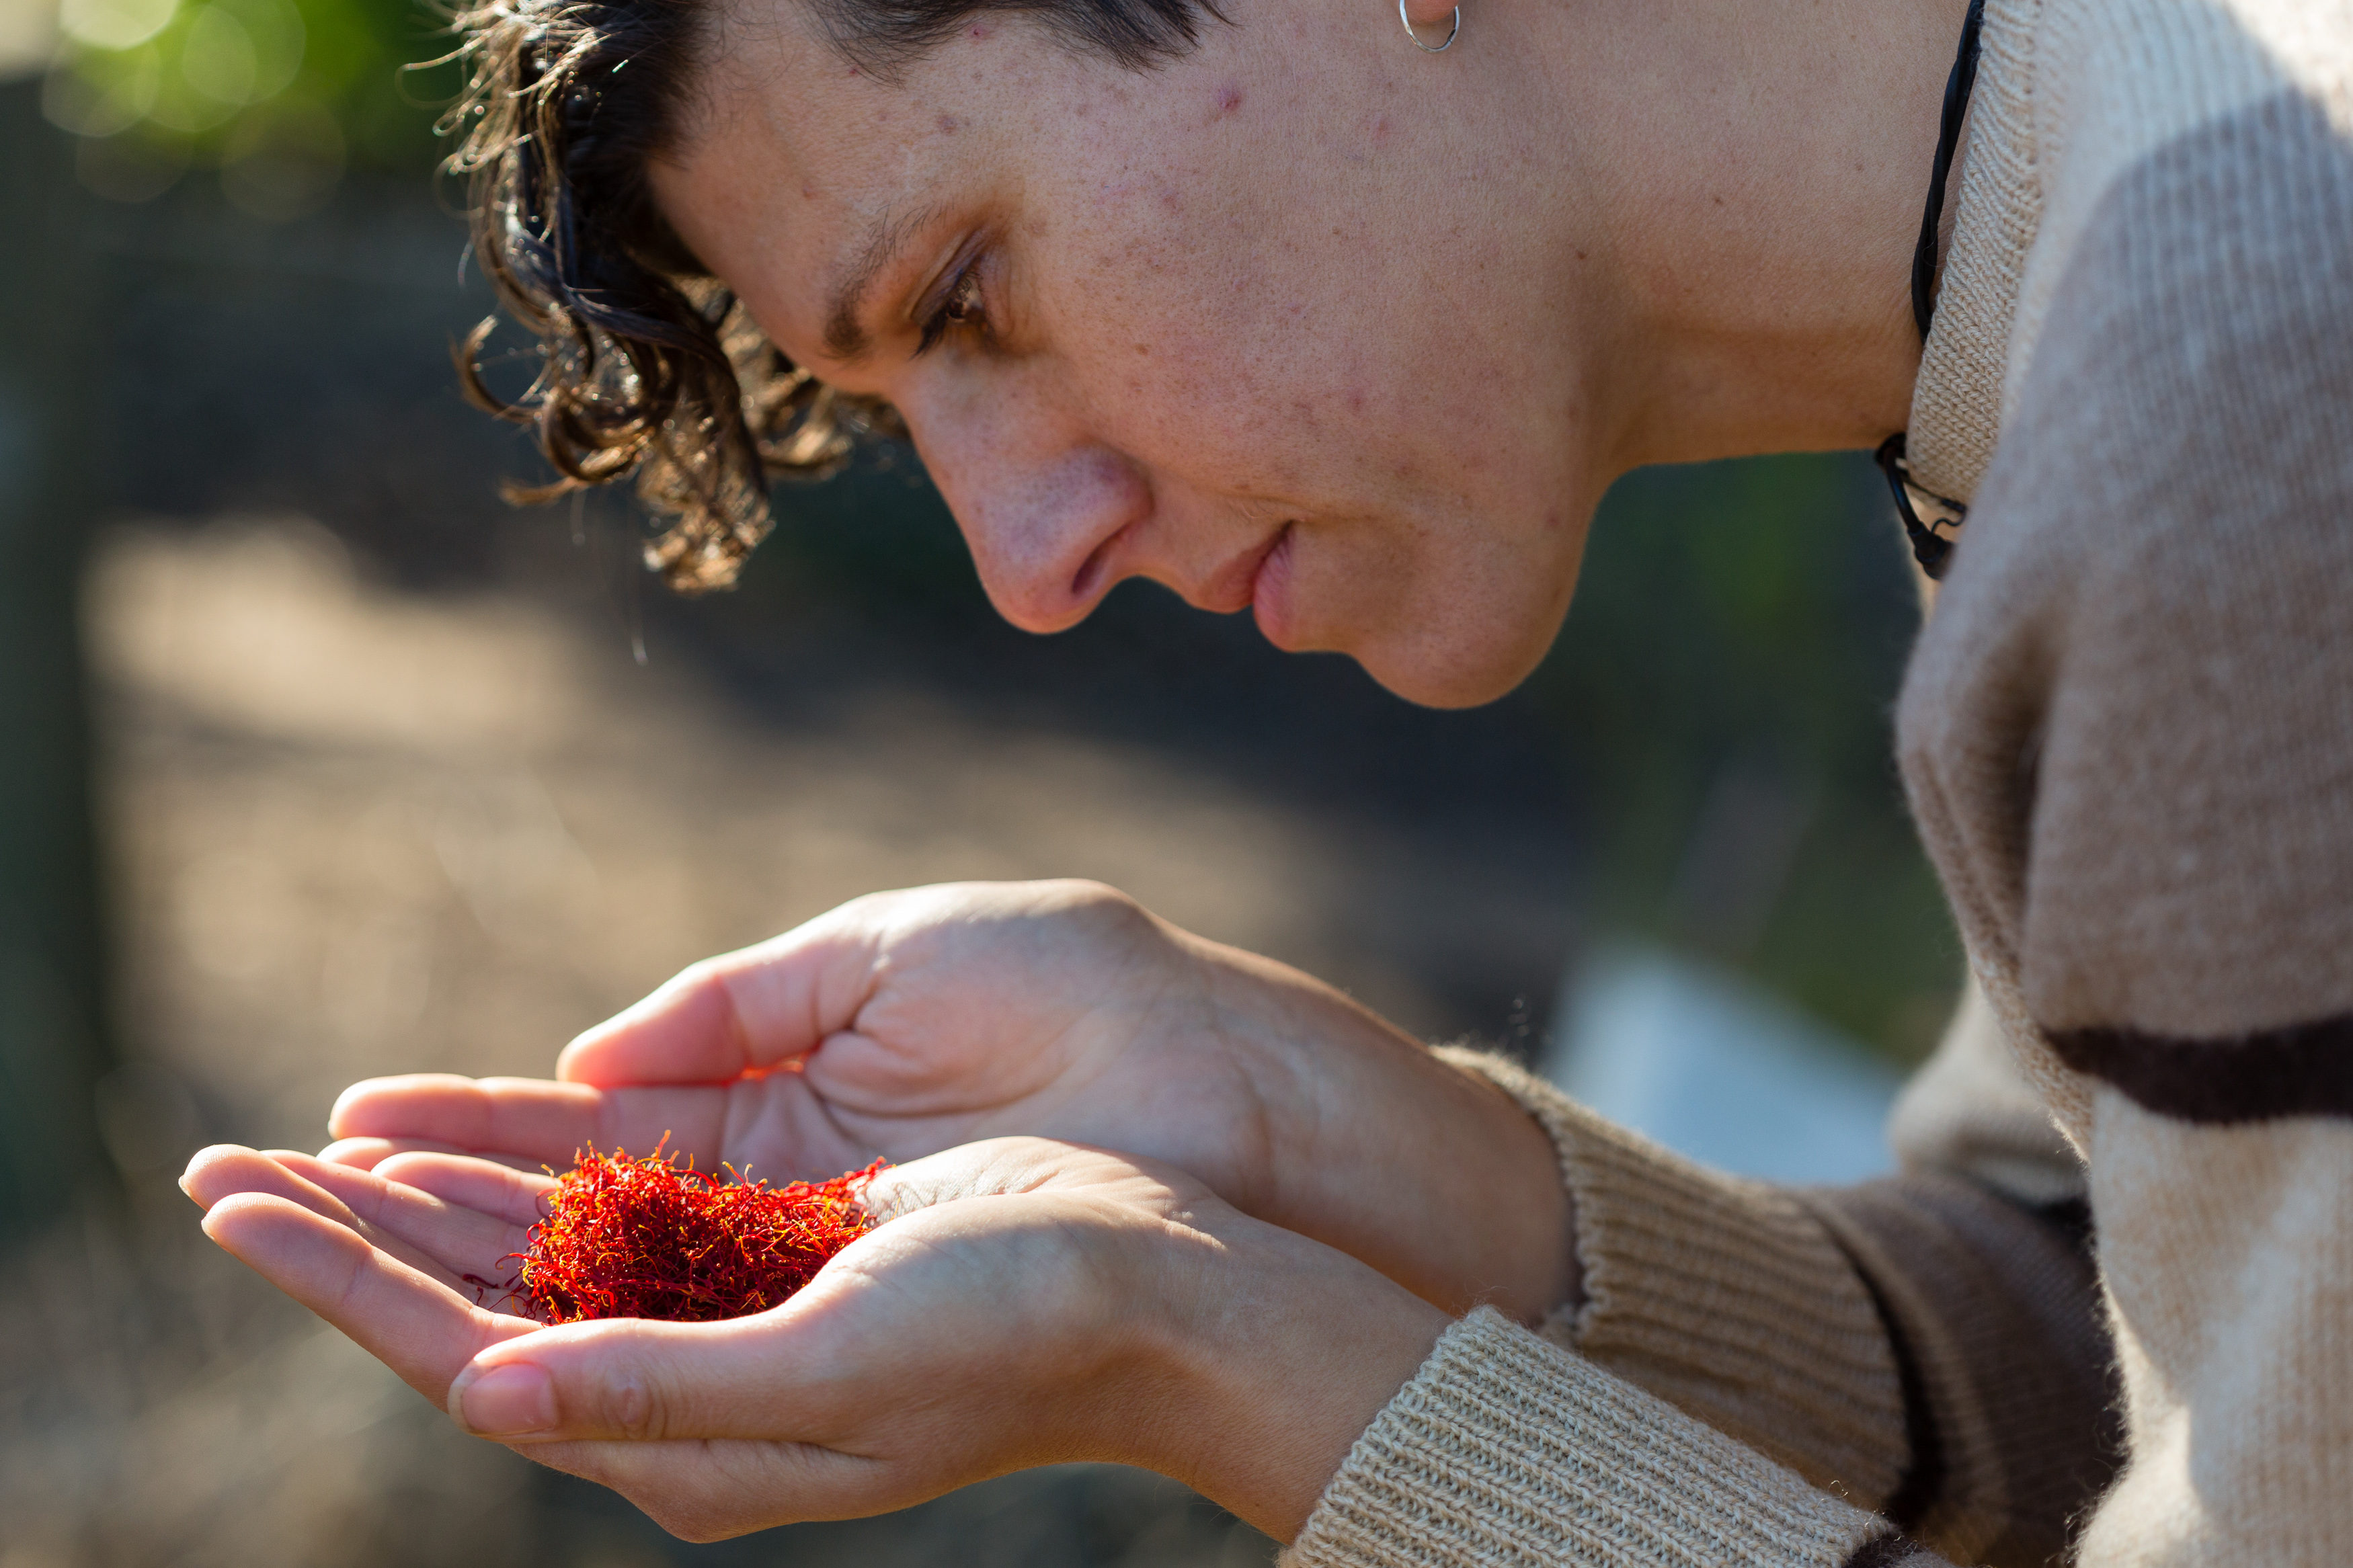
(318, 762)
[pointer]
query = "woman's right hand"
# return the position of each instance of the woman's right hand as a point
(1018, 1302)
(906, 1023)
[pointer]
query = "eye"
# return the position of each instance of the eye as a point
(960, 307)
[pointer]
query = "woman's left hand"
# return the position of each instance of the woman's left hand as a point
(1022, 1302)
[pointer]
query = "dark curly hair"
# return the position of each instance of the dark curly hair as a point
(649, 367)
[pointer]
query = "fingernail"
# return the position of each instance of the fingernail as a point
(507, 1400)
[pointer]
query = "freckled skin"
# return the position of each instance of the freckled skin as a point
(1374, 398)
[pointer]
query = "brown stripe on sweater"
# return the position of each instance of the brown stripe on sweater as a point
(1924, 1469)
(1993, 1314)
(2304, 1069)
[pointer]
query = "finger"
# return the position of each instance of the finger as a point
(528, 1120)
(743, 1012)
(514, 1197)
(225, 1170)
(367, 1154)
(457, 1238)
(642, 1381)
(523, 1115)
(421, 1329)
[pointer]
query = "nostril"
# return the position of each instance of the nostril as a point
(1089, 580)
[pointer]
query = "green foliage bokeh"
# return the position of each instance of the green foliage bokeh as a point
(1728, 675)
(282, 98)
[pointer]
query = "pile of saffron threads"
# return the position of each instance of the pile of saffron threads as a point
(655, 1238)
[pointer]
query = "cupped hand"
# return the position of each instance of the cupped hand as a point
(1022, 1302)
(906, 1023)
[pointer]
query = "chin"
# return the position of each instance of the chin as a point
(1452, 635)
(1444, 673)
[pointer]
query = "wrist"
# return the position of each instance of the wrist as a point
(1378, 1147)
(1285, 1351)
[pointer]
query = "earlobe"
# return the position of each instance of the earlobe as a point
(1432, 25)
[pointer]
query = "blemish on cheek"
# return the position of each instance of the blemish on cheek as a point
(1230, 98)
(1380, 130)
(949, 124)
(808, 193)
(978, 30)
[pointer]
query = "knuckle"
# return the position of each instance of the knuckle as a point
(631, 1409)
(1102, 896)
(1092, 905)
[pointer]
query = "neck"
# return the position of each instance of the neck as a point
(1754, 177)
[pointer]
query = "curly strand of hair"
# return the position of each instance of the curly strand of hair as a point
(648, 368)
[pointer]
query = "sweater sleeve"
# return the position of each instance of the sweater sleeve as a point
(1505, 1450)
(2128, 738)
(1922, 1347)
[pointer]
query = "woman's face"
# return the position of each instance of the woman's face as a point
(1271, 323)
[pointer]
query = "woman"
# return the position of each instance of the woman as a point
(1351, 322)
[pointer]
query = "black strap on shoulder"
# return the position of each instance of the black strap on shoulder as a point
(1957, 87)
(1931, 549)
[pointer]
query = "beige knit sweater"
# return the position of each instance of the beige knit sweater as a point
(2127, 734)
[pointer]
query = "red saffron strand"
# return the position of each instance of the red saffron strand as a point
(653, 1238)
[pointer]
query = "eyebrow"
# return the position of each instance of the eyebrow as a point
(846, 337)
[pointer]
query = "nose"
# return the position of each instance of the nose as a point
(1041, 505)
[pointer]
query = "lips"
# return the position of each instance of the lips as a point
(1271, 589)
(1235, 585)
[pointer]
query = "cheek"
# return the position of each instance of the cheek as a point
(1195, 348)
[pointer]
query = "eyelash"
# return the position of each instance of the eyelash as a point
(963, 295)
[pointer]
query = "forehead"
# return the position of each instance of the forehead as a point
(793, 167)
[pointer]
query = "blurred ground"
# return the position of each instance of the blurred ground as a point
(364, 831)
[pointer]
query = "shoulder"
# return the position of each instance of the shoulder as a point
(2188, 400)
(2189, 126)
(2133, 709)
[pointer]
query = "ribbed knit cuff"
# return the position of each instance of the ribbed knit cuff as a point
(1723, 1296)
(1504, 1450)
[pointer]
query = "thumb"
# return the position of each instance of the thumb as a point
(642, 1381)
(743, 1012)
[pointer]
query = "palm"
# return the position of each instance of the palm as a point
(947, 1293)
(897, 1026)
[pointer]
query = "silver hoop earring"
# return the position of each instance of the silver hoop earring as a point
(1418, 44)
